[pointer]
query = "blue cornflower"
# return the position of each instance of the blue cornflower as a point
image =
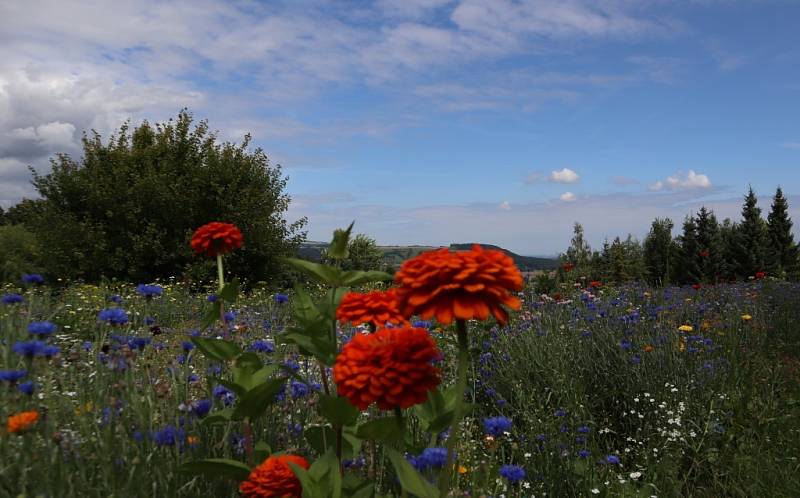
(116, 298)
(32, 278)
(192, 378)
(512, 473)
(149, 291)
(201, 408)
(139, 342)
(12, 298)
(434, 457)
(113, 316)
(229, 316)
(137, 436)
(212, 298)
(41, 328)
(291, 365)
(149, 320)
(12, 375)
(625, 344)
(612, 459)
(584, 429)
(27, 387)
(29, 348)
(187, 346)
(281, 298)
(87, 346)
(421, 324)
(51, 350)
(636, 359)
(560, 413)
(299, 389)
(260, 346)
(223, 393)
(584, 453)
(169, 436)
(496, 426)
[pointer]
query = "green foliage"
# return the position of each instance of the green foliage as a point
(362, 253)
(20, 252)
(128, 208)
(658, 249)
(784, 256)
(752, 242)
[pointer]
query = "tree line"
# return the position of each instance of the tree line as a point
(705, 251)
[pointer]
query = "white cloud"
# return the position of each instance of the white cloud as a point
(505, 206)
(566, 175)
(675, 182)
(567, 197)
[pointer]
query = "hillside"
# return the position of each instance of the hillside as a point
(395, 255)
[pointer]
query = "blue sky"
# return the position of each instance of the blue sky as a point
(434, 121)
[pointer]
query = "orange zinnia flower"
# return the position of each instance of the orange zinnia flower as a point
(568, 267)
(376, 307)
(459, 285)
(595, 284)
(391, 367)
(761, 274)
(22, 421)
(274, 478)
(216, 238)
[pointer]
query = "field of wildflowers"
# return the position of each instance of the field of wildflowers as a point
(457, 380)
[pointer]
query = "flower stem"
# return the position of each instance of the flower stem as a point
(461, 386)
(221, 277)
(220, 273)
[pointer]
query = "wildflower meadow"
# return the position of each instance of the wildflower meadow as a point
(450, 377)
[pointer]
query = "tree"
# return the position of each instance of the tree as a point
(708, 245)
(657, 251)
(362, 254)
(783, 252)
(579, 252)
(19, 252)
(128, 208)
(751, 240)
(728, 236)
(687, 271)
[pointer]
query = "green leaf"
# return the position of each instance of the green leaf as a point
(442, 422)
(255, 402)
(356, 277)
(338, 410)
(218, 417)
(311, 488)
(217, 349)
(323, 273)
(216, 467)
(236, 387)
(338, 246)
(322, 349)
(211, 315)
(381, 429)
(356, 487)
(408, 476)
(230, 292)
(322, 438)
(261, 451)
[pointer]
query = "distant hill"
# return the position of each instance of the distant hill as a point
(395, 255)
(524, 263)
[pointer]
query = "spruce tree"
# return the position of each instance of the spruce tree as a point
(751, 237)
(689, 270)
(728, 231)
(783, 252)
(708, 245)
(657, 251)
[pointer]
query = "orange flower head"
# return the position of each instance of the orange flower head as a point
(391, 367)
(648, 348)
(21, 422)
(216, 238)
(459, 285)
(274, 478)
(595, 284)
(568, 267)
(376, 307)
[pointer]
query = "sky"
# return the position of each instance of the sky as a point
(433, 121)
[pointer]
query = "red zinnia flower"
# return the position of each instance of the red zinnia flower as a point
(274, 478)
(705, 253)
(595, 284)
(376, 307)
(458, 285)
(696, 286)
(568, 267)
(216, 238)
(391, 367)
(761, 274)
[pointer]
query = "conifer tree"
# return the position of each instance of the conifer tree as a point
(657, 251)
(688, 271)
(728, 245)
(708, 245)
(751, 238)
(783, 252)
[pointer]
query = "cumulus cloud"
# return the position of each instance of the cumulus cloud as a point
(565, 175)
(691, 181)
(567, 197)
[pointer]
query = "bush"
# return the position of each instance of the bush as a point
(19, 252)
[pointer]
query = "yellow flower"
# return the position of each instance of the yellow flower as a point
(462, 469)
(682, 345)
(746, 317)
(686, 328)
